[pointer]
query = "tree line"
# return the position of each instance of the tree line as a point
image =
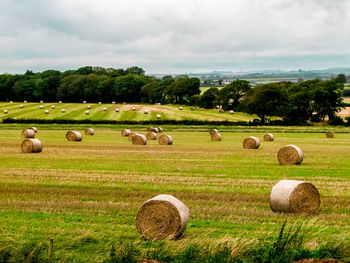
(295, 103)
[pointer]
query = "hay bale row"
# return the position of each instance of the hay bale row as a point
(89, 131)
(251, 143)
(155, 129)
(74, 136)
(28, 133)
(31, 146)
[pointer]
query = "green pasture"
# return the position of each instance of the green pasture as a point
(85, 195)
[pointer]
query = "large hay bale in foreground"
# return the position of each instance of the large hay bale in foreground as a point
(268, 137)
(165, 139)
(74, 136)
(6, 111)
(330, 134)
(291, 196)
(28, 133)
(151, 136)
(139, 139)
(31, 146)
(89, 131)
(131, 135)
(34, 129)
(158, 116)
(162, 217)
(213, 131)
(125, 132)
(251, 143)
(216, 137)
(289, 155)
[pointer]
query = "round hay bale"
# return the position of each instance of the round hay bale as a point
(21, 106)
(63, 110)
(116, 110)
(53, 106)
(74, 136)
(131, 135)
(28, 133)
(89, 131)
(11, 101)
(125, 132)
(181, 108)
(330, 134)
(193, 108)
(59, 101)
(216, 137)
(289, 155)
(87, 112)
(133, 108)
(165, 139)
(153, 129)
(231, 112)
(158, 116)
(6, 111)
(31, 146)
(145, 111)
(41, 101)
(160, 129)
(104, 109)
(251, 143)
(213, 131)
(268, 137)
(25, 101)
(113, 102)
(34, 129)
(41, 107)
(162, 217)
(89, 107)
(221, 111)
(47, 111)
(99, 102)
(151, 136)
(218, 106)
(84, 101)
(139, 139)
(291, 196)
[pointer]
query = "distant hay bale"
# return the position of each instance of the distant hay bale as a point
(145, 111)
(289, 155)
(41, 107)
(74, 136)
(232, 112)
(218, 106)
(180, 108)
(89, 107)
(251, 143)
(291, 196)
(153, 129)
(21, 106)
(34, 129)
(41, 101)
(63, 110)
(28, 133)
(139, 139)
(87, 112)
(160, 129)
(6, 111)
(89, 131)
(104, 109)
(59, 101)
(216, 137)
(158, 116)
(131, 135)
(221, 111)
(31, 146)
(193, 108)
(47, 111)
(330, 134)
(151, 136)
(11, 101)
(125, 132)
(165, 139)
(113, 102)
(268, 137)
(99, 102)
(84, 101)
(213, 131)
(162, 217)
(53, 106)
(133, 108)
(25, 101)
(116, 110)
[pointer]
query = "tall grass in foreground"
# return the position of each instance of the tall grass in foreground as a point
(286, 247)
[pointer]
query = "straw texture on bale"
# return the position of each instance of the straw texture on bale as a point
(47, 111)
(31, 146)
(116, 110)
(89, 107)
(180, 108)
(221, 111)
(28, 133)
(158, 116)
(41, 107)
(162, 217)
(73, 136)
(34, 129)
(131, 135)
(133, 108)
(289, 155)
(330, 134)
(213, 131)
(139, 139)
(6, 111)
(268, 137)
(151, 136)
(89, 131)
(63, 110)
(251, 143)
(87, 112)
(125, 132)
(104, 109)
(53, 106)
(216, 137)
(291, 196)
(21, 106)
(231, 112)
(160, 129)
(145, 111)
(165, 139)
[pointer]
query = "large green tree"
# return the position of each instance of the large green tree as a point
(230, 95)
(208, 99)
(182, 90)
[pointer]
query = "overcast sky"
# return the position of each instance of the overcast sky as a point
(174, 36)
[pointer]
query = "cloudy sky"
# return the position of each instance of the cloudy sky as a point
(174, 36)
